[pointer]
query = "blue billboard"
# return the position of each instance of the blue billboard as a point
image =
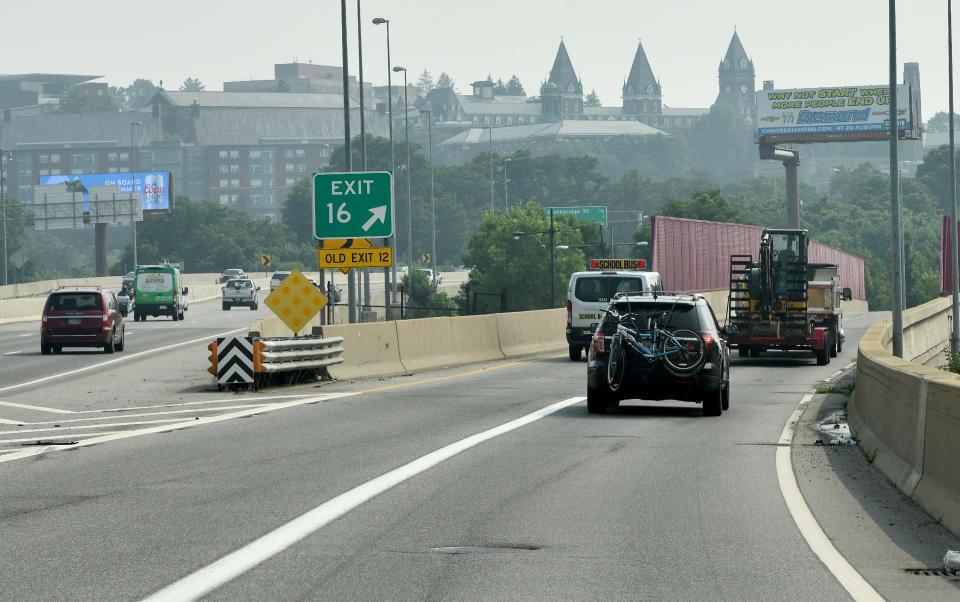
(153, 185)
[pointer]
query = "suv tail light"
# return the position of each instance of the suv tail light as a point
(599, 343)
(106, 320)
(708, 341)
(569, 312)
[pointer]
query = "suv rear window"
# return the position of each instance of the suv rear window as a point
(74, 301)
(670, 316)
(600, 289)
(238, 284)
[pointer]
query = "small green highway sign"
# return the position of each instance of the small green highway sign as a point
(353, 205)
(594, 214)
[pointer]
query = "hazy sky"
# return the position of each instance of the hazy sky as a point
(797, 44)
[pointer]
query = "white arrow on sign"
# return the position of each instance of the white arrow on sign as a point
(378, 214)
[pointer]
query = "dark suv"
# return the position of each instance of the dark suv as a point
(81, 317)
(648, 376)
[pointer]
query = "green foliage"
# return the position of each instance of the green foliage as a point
(445, 81)
(298, 211)
(425, 300)
(424, 84)
(840, 389)
(704, 204)
(721, 143)
(592, 99)
(940, 122)
(208, 237)
(522, 266)
(192, 84)
(953, 361)
(135, 96)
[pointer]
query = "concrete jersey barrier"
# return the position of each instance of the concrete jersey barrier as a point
(908, 414)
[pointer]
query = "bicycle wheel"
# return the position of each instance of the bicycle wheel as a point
(615, 365)
(683, 352)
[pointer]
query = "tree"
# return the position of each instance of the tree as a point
(500, 88)
(704, 204)
(520, 266)
(135, 96)
(84, 100)
(424, 84)
(298, 211)
(445, 81)
(721, 143)
(592, 99)
(192, 84)
(940, 122)
(514, 87)
(425, 300)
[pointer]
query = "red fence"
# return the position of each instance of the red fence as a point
(694, 255)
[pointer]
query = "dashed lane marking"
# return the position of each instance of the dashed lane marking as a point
(26, 406)
(13, 352)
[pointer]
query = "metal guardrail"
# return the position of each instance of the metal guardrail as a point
(286, 354)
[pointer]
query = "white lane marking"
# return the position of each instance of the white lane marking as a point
(125, 358)
(26, 406)
(233, 565)
(170, 413)
(184, 424)
(849, 578)
(45, 438)
(5, 421)
(29, 334)
(13, 352)
(235, 398)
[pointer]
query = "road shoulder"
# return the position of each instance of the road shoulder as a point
(880, 531)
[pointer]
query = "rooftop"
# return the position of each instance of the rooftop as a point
(568, 128)
(285, 100)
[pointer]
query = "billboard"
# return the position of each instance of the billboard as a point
(153, 185)
(833, 114)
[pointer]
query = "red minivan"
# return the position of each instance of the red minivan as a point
(81, 317)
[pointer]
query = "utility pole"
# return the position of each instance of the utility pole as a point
(133, 186)
(363, 140)
(3, 203)
(954, 251)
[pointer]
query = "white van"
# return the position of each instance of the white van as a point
(589, 294)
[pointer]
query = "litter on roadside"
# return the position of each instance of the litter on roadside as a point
(835, 430)
(951, 560)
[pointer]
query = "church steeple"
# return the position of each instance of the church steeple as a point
(562, 94)
(641, 92)
(737, 79)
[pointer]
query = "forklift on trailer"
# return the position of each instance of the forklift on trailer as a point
(781, 301)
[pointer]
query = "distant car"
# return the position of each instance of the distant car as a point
(81, 317)
(429, 274)
(240, 291)
(690, 361)
(276, 279)
(127, 281)
(230, 274)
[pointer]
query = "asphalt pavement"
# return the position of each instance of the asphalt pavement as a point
(650, 501)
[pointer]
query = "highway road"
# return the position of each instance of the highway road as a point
(483, 482)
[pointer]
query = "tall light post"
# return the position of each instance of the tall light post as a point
(3, 203)
(133, 185)
(365, 273)
(433, 200)
(393, 159)
(492, 208)
(896, 225)
(406, 139)
(506, 197)
(552, 235)
(955, 251)
(347, 151)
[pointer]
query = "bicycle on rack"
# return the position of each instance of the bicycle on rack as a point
(682, 351)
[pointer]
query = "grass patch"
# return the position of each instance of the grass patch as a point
(844, 389)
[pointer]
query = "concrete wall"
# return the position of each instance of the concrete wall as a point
(42, 287)
(908, 414)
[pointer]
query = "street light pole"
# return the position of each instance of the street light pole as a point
(506, 198)
(3, 203)
(133, 185)
(348, 153)
(406, 138)
(896, 225)
(433, 200)
(553, 272)
(393, 167)
(955, 251)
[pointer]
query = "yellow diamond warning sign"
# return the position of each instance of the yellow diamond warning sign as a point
(295, 301)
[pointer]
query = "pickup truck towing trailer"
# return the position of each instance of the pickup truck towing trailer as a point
(783, 302)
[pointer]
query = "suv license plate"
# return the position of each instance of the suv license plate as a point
(74, 321)
(163, 307)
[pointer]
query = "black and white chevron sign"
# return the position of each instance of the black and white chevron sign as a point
(234, 360)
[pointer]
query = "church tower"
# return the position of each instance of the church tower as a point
(737, 80)
(641, 92)
(562, 95)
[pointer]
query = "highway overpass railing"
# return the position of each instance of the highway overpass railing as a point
(907, 415)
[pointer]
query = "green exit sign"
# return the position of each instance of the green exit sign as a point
(353, 205)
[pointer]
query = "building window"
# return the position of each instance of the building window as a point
(76, 172)
(268, 183)
(124, 156)
(234, 168)
(268, 154)
(54, 172)
(224, 169)
(44, 172)
(54, 158)
(289, 153)
(290, 182)
(224, 183)
(301, 167)
(256, 183)
(112, 157)
(289, 167)
(111, 170)
(254, 168)
(301, 153)
(43, 159)
(223, 154)
(235, 183)
(254, 154)
(234, 154)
